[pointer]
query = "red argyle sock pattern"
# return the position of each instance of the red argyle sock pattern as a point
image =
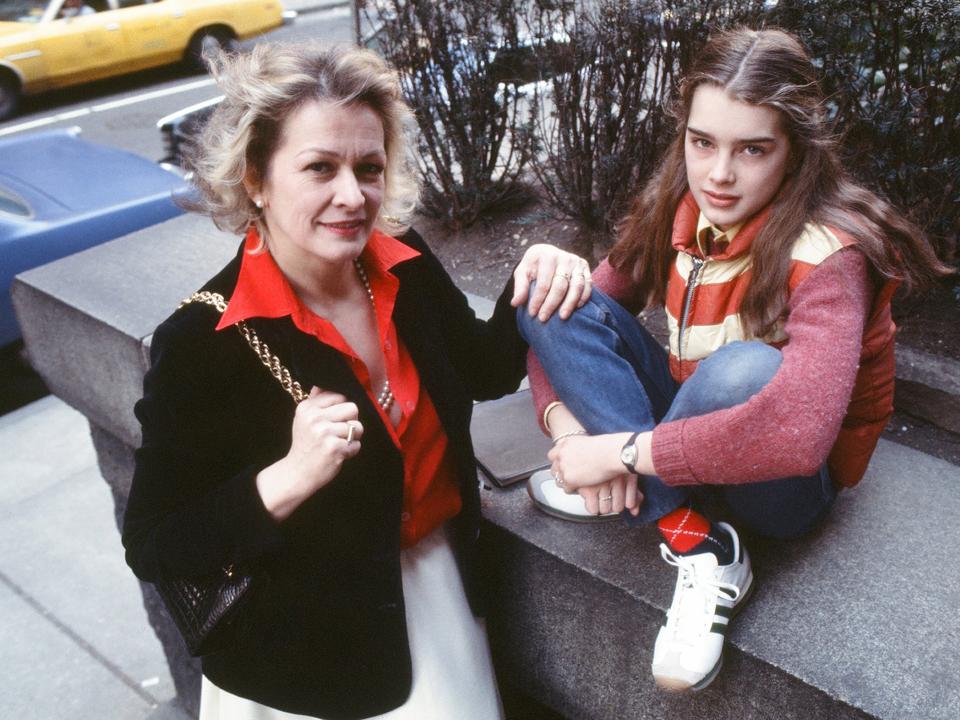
(683, 529)
(687, 532)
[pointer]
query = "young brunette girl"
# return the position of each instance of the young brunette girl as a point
(776, 271)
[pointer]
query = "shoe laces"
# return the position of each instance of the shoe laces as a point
(695, 596)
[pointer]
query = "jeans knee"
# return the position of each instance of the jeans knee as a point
(739, 370)
(535, 331)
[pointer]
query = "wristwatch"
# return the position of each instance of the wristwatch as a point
(628, 455)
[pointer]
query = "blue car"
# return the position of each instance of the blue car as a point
(60, 194)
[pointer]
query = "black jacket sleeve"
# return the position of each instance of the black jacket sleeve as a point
(489, 356)
(194, 505)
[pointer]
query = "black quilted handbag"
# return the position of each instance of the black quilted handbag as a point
(205, 610)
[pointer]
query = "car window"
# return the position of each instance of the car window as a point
(22, 10)
(10, 204)
(74, 8)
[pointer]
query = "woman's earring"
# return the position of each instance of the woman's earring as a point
(259, 203)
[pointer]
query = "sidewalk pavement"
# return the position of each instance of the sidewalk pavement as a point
(74, 642)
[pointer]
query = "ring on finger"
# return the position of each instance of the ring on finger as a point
(606, 498)
(350, 428)
(556, 478)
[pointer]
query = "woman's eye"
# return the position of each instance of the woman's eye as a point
(701, 143)
(320, 167)
(371, 170)
(754, 150)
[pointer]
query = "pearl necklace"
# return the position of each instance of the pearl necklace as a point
(385, 398)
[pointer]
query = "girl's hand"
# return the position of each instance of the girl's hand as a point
(562, 281)
(326, 432)
(590, 465)
(618, 495)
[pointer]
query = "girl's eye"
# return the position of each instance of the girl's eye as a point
(701, 143)
(754, 150)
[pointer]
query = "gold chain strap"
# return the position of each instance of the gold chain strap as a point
(269, 360)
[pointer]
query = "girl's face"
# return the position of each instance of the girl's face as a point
(324, 184)
(736, 156)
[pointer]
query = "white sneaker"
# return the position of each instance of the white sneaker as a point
(689, 648)
(542, 489)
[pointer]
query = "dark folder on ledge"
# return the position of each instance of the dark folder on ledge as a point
(507, 439)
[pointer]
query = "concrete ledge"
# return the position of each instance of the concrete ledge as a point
(857, 621)
(86, 319)
(935, 371)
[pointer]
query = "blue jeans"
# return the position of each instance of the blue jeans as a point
(614, 377)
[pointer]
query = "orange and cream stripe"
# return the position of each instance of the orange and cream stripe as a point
(712, 312)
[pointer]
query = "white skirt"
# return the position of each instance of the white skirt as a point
(452, 672)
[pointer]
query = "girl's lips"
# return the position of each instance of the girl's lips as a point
(719, 200)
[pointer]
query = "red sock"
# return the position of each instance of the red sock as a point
(683, 529)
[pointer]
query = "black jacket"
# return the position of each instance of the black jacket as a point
(325, 633)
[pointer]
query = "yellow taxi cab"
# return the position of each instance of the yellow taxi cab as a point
(46, 44)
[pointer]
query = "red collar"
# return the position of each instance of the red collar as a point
(685, 221)
(263, 291)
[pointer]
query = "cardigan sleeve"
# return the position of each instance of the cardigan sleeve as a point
(190, 512)
(788, 428)
(620, 286)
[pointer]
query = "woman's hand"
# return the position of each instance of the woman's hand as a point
(590, 466)
(326, 432)
(562, 281)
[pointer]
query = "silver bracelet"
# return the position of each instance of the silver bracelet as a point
(571, 433)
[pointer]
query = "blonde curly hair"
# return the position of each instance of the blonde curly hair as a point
(261, 88)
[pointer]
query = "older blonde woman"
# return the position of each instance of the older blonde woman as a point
(356, 510)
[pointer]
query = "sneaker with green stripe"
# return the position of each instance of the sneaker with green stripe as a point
(689, 648)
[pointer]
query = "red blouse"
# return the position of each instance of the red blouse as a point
(430, 492)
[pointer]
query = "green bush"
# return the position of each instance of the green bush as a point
(892, 70)
(472, 153)
(592, 129)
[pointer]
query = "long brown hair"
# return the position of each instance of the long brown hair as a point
(772, 68)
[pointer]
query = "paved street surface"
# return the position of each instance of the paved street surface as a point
(74, 642)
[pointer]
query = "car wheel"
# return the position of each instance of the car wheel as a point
(9, 96)
(207, 41)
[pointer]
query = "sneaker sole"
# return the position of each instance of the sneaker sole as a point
(553, 512)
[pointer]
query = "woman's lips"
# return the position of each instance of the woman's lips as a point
(345, 228)
(720, 200)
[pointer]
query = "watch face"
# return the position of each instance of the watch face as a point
(629, 454)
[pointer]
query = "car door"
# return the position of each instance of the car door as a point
(149, 29)
(81, 47)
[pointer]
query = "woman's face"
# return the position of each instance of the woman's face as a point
(736, 156)
(324, 184)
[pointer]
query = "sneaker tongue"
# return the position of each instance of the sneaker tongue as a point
(704, 564)
(693, 609)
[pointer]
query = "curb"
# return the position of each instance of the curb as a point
(935, 371)
(311, 7)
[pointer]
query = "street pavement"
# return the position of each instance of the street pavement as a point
(74, 642)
